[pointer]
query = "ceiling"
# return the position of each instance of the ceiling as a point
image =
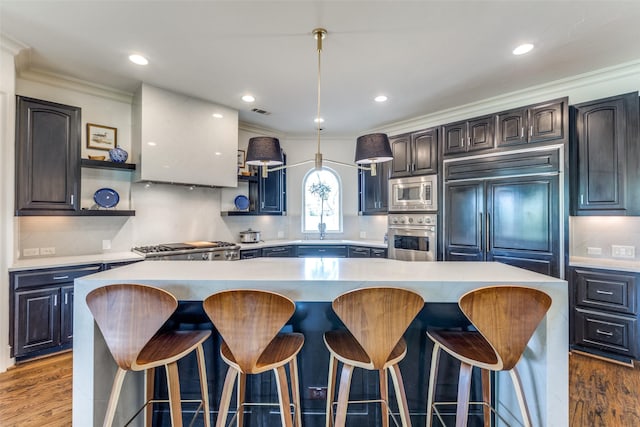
(426, 56)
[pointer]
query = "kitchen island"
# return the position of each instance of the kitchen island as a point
(544, 368)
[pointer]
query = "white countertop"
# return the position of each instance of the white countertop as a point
(52, 262)
(632, 266)
(270, 243)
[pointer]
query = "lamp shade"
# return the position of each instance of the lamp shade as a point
(373, 148)
(264, 150)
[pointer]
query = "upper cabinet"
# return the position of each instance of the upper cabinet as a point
(415, 153)
(533, 124)
(469, 135)
(180, 139)
(606, 154)
(373, 191)
(47, 157)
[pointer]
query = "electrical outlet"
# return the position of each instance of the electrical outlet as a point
(621, 251)
(31, 252)
(48, 251)
(106, 244)
(280, 234)
(363, 234)
(317, 393)
(594, 251)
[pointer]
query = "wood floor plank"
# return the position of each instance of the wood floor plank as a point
(38, 393)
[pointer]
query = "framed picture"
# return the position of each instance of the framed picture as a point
(241, 158)
(101, 137)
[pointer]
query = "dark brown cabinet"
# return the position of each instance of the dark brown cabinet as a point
(543, 122)
(47, 157)
(513, 220)
(373, 191)
(604, 313)
(606, 153)
(469, 135)
(415, 153)
(41, 309)
(280, 251)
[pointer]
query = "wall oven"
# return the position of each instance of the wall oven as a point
(412, 237)
(413, 194)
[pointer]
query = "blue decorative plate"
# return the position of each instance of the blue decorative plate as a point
(106, 197)
(241, 202)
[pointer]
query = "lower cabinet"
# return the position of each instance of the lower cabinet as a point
(250, 253)
(318, 251)
(41, 309)
(334, 251)
(279, 251)
(604, 313)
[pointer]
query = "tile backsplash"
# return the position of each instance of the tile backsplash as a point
(595, 236)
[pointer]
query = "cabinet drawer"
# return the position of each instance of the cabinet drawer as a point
(607, 332)
(606, 291)
(279, 251)
(37, 278)
(336, 251)
(359, 252)
(378, 253)
(251, 253)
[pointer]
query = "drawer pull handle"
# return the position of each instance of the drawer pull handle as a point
(606, 333)
(601, 292)
(60, 277)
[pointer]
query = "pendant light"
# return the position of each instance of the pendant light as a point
(370, 149)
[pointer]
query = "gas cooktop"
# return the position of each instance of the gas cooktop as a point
(185, 248)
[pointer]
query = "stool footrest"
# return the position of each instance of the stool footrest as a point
(152, 401)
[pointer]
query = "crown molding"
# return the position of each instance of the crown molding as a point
(555, 89)
(78, 85)
(260, 130)
(11, 45)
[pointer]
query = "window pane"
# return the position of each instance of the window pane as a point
(322, 202)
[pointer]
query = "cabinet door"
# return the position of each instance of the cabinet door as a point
(359, 252)
(401, 149)
(37, 324)
(511, 127)
(464, 222)
(454, 138)
(546, 122)
(47, 156)
(250, 254)
(66, 314)
(374, 190)
(481, 133)
(522, 223)
(424, 146)
(272, 193)
(601, 144)
(279, 251)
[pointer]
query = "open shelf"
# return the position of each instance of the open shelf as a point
(105, 164)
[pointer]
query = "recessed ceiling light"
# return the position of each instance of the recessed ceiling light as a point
(318, 120)
(380, 98)
(217, 115)
(218, 153)
(248, 98)
(522, 49)
(138, 59)
(151, 143)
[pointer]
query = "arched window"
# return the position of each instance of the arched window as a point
(321, 202)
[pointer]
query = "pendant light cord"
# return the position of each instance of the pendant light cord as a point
(319, 34)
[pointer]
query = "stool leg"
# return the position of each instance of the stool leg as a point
(113, 397)
(433, 377)
(464, 387)
(384, 395)
(515, 377)
(343, 394)
(225, 398)
(401, 396)
(331, 387)
(175, 406)
(242, 387)
(295, 390)
(486, 396)
(150, 379)
(283, 396)
(204, 387)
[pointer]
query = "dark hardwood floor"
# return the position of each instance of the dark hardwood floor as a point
(601, 394)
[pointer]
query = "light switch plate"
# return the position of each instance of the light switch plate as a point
(622, 251)
(594, 251)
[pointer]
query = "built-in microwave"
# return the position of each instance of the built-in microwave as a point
(413, 194)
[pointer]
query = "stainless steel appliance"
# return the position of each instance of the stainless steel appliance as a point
(412, 237)
(413, 194)
(249, 236)
(192, 251)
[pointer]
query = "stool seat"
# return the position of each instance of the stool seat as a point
(468, 346)
(167, 347)
(347, 349)
(280, 351)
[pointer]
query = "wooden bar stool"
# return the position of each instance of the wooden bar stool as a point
(376, 319)
(129, 317)
(505, 318)
(249, 322)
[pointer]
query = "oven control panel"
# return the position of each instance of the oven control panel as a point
(413, 219)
